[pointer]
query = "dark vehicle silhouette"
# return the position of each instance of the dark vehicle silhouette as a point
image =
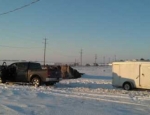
(30, 72)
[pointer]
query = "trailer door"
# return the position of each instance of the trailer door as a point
(145, 76)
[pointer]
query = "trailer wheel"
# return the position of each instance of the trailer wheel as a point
(36, 81)
(127, 86)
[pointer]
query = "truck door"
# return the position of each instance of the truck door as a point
(21, 70)
(145, 76)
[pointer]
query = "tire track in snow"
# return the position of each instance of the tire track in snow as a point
(11, 111)
(93, 94)
(100, 97)
(125, 96)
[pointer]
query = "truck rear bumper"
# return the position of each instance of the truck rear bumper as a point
(51, 79)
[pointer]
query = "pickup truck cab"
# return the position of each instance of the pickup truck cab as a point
(29, 72)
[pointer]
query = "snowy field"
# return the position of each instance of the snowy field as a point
(92, 94)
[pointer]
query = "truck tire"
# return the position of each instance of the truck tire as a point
(127, 86)
(36, 81)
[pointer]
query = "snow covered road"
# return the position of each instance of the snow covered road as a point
(92, 94)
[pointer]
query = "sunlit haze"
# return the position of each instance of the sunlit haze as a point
(106, 28)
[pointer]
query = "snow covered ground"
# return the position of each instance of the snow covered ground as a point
(92, 94)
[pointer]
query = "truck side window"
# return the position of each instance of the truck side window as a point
(22, 66)
(13, 65)
(34, 66)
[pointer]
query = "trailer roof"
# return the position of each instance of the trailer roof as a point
(132, 62)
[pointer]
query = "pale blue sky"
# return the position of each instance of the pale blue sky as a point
(102, 27)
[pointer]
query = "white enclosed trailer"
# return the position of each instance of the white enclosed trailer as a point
(131, 75)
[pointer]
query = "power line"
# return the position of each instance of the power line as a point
(18, 47)
(62, 54)
(19, 8)
(59, 52)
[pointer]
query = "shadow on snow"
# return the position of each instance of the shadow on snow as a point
(97, 77)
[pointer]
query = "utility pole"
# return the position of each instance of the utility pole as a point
(95, 58)
(104, 60)
(75, 62)
(81, 56)
(115, 57)
(44, 50)
(109, 60)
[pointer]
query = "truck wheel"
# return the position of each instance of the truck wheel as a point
(36, 81)
(127, 86)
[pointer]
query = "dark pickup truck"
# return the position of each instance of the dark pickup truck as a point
(30, 72)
